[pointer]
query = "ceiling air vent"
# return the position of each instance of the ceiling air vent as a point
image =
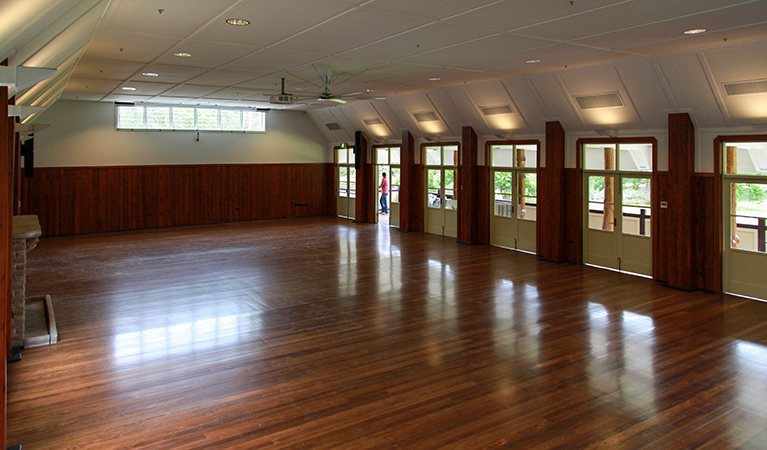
(746, 87)
(609, 100)
(493, 110)
(375, 121)
(333, 126)
(426, 116)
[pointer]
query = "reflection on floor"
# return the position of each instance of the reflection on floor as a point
(320, 332)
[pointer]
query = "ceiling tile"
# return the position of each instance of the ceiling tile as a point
(113, 70)
(510, 15)
(432, 9)
(422, 40)
(351, 30)
(478, 49)
(122, 46)
(168, 74)
(174, 18)
(91, 85)
(271, 21)
(274, 60)
(224, 77)
(206, 54)
(145, 88)
(191, 90)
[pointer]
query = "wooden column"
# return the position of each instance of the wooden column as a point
(470, 193)
(411, 198)
(552, 194)
(366, 182)
(6, 193)
(678, 262)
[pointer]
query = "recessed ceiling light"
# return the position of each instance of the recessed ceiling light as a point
(238, 22)
(183, 55)
(532, 61)
(128, 88)
(435, 79)
(695, 31)
(150, 74)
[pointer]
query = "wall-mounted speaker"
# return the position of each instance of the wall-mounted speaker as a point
(28, 153)
(358, 149)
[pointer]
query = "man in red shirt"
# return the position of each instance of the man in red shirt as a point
(384, 194)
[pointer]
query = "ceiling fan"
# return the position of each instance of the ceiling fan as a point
(328, 81)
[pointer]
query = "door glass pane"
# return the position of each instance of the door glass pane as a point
(352, 182)
(433, 156)
(382, 155)
(601, 199)
(433, 188)
(527, 155)
(451, 155)
(528, 192)
(745, 158)
(395, 155)
(394, 186)
(599, 156)
(503, 155)
(749, 216)
(342, 181)
(636, 157)
(503, 194)
(342, 156)
(636, 206)
(451, 201)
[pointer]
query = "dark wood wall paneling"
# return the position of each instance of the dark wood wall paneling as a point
(365, 204)
(7, 137)
(675, 247)
(552, 200)
(473, 210)
(412, 198)
(98, 199)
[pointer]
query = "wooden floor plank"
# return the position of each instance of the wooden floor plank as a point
(322, 333)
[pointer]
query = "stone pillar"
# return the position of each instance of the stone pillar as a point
(26, 231)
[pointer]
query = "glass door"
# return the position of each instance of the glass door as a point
(388, 161)
(346, 182)
(515, 190)
(745, 218)
(441, 212)
(618, 211)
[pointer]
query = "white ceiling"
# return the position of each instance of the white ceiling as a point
(391, 48)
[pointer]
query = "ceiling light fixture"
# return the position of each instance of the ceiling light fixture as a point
(532, 61)
(128, 88)
(183, 55)
(695, 31)
(150, 74)
(435, 79)
(238, 22)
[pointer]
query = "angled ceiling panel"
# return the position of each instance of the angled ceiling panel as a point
(598, 83)
(463, 102)
(453, 118)
(391, 119)
(528, 104)
(687, 80)
(496, 107)
(371, 121)
(646, 92)
(548, 89)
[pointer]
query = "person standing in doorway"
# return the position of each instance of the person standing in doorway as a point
(384, 187)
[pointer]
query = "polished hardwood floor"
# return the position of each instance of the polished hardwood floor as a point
(322, 333)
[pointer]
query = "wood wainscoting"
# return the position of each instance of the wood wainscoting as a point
(75, 200)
